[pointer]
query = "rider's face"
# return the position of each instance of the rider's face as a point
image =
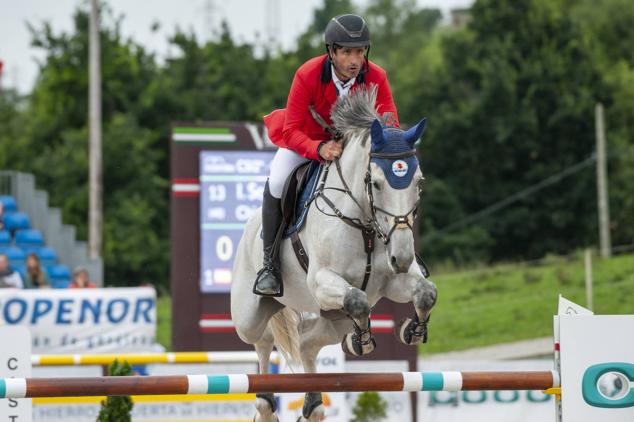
(348, 61)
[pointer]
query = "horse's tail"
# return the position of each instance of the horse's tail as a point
(285, 328)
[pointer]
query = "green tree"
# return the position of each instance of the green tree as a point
(514, 102)
(609, 32)
(54, 146)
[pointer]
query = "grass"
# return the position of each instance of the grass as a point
(516, 302)
(164, 321)
(504, 303)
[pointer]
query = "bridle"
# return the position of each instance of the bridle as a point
(368, 225)
(397, 221)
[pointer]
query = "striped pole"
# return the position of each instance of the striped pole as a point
(149, 358)
(280, 383)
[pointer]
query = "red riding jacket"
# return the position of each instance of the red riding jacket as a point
(294, 127)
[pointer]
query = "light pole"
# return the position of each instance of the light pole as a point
(94, 100)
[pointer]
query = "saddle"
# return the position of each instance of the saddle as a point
(298, 190)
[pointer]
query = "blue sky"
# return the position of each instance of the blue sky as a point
(245, 17)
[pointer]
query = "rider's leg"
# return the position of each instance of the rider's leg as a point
(269, 279)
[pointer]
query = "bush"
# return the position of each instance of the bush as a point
(370, 407)
(117, 409)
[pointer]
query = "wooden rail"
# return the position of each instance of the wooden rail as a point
(275, 383)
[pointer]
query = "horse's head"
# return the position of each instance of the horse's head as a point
(394, 181)
(393, 178)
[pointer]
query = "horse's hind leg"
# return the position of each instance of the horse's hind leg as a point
(412, 287)
(315, 333)
(251, 316)
(265, 403)
(333, 292)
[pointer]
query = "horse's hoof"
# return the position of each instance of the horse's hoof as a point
(315, 416)
(353, 345)
(312, 401)
(269, 398)
(266, 406)
(269, 418)
(411, 331)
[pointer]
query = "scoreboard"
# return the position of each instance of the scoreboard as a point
(231, 187)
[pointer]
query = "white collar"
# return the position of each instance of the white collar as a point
(342, 87)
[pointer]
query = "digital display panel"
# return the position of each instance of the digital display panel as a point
(231, 187)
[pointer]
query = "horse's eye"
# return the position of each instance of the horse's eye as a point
(376, 185)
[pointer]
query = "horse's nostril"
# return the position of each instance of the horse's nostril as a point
(393, 261)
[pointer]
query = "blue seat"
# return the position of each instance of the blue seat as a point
(58, 283)
(16, 221)
(9, 203)
(5, 238)
(16, 255)
(59, 275)
(47, 256)
(28, 250)
(28, 238)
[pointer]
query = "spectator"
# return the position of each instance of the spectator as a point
(1, 216)
(81, 279)
(35, 277)
(8, 276)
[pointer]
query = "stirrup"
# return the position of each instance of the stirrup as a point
(279, 291)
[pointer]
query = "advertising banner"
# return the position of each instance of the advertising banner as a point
(15, 362)
(398, 407)
(486, 406)
(597, 367)
(83, 320)
(330, 359)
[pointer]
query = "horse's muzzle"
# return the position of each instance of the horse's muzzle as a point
(400, 264)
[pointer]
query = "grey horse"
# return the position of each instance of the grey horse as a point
(372, 195)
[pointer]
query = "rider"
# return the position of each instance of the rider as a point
(300, 137)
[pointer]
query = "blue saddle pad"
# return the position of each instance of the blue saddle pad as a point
(307, 192)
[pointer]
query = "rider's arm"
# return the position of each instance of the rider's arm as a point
(384, 100)
(297, 111)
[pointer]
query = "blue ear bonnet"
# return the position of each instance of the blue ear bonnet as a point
(399, 172)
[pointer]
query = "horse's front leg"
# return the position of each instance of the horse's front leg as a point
(333, 292)
(412, 287)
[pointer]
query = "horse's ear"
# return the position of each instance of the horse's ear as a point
(377, 133)
(413, 134)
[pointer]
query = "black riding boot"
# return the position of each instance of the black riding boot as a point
(269, 279)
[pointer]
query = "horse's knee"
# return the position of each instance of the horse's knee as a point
(355, 303)
(425, 295)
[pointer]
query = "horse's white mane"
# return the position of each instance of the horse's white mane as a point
(353, 114)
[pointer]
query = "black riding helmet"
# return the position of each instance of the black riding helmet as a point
(347, 31)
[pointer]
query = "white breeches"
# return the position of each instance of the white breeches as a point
(283, 163)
